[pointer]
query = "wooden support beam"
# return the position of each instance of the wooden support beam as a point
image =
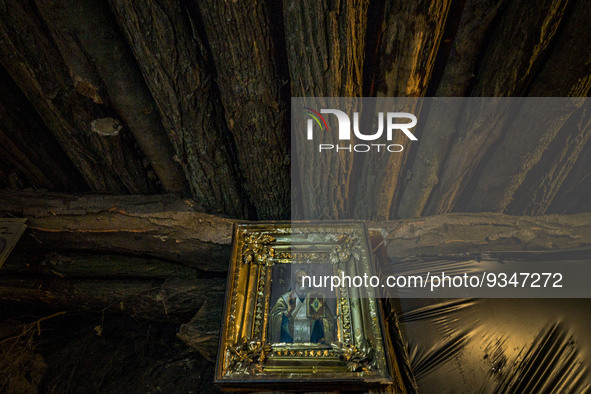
(107, 164)
(550, 141)
(240, 38)
(535, 131)
(175, 65)
(161, 226)
(440, 128)
(166, 227)
(541, 186)
(90, 43)
(27, 143)
(500, 74)
(405, 59)
(148, 289)
(565, 73)
(171, 300)
(458, 233)
(517, 47)
(328, 63)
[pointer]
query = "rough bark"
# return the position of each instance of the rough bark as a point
(566, 71)
(411, 37)
(327, 63)
(203, 331)
(242, 47)
(542, 183)
(29, 146)
(500, 74)
(475, 22)
(88, 37)
(174, 62)
(172, 300)
(148, 289)
(528, 31)
(406, 56)
(484, 232)
(151, 226)
(107, 164)
(534, 132)
(482, 126)
(575, 192)
(539, 141)
(159, 226)
(439, 130)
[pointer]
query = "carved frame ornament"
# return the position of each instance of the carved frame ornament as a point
(359, 355)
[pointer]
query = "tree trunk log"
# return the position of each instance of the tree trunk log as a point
(242, 47)
(161, 226)
(520, 151)
(406, 56)
(171, 300)
(542, 184)
(483, 232)
(517, 47)
(328, 63)
(166, 227)
(544, 145)
(575, 193)
(88, 36)
(439, 131)
(175, 64)
(30, 146)
(566, 71)
(107, 164)
(475, 22)
(501, 74)
(411, 37)
(147, 289)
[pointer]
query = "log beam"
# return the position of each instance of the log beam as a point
(437, 135)
(89, 39)
(161, 226)
(328, 63)
(499, 75)
(240, 38)
(175, 65)
(406, 57)
(107, 164)
(504, 74)
(171, 300)
(166, 227)
(483, 232)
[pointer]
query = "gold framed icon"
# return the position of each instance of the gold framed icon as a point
(279, 326)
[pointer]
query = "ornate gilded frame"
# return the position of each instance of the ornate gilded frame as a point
(360, 357)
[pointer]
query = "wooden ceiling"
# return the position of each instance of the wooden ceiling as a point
(192, 98)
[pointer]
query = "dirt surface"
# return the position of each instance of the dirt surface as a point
(81, 352)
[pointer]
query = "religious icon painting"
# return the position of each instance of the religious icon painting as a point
(287, 321)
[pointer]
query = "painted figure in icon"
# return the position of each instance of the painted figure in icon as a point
(301, 316)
